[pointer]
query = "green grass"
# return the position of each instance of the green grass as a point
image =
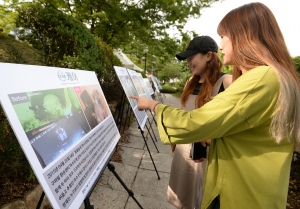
(177, 94)
(168, 89)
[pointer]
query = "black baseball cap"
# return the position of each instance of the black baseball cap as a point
(198, 44)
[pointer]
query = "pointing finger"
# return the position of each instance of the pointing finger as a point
(134, 97)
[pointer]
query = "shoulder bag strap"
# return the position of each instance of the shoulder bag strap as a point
(217, 85)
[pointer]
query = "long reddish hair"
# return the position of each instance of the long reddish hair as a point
(212, 72)
(257, 40)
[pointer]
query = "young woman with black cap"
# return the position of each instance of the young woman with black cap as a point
(254, 124)
(187, 176)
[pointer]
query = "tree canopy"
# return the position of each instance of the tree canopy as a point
(132, 25)
(7, 18)
(117, 22)
(64, 41)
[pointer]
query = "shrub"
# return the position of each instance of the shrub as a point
(12, 158)
(63, 40)
(167, 89)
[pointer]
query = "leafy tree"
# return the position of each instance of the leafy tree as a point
(64, 41)
(225, 68)
(134, 25)
(7, 18)
(160, 52)
(118, 22)
(297, 63)
(106, 75)
(169, 71)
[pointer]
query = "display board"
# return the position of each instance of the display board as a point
(155, 83)
(130, 90)
(149, 86)
(63, 124)
(139, 84)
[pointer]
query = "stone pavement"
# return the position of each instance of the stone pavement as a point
(137, 172)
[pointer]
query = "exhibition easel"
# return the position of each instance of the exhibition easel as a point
(127, 121)
(121, 108)
(151, 137)
(142, 133)
(40, 200)
(160, 97)
(120, 111)
(86, 202)
(151, 129)
(153, 117)
(111, 167)
(127, 118)
(120, 121)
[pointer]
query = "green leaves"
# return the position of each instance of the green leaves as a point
(7, 19)
(64, 41)
(296, 61)
(118, 22)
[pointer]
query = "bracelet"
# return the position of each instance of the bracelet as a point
(155, 106)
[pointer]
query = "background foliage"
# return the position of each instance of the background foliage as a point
(297, 63)
(63, 40)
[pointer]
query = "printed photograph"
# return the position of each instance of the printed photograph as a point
(56, 138)
(52, 120)
(93, 104)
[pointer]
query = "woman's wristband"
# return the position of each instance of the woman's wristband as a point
(153, 110)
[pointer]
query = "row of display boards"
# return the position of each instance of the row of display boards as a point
(64, 125)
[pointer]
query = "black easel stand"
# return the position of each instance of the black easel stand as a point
(152, 138)
(111, 167)
(152, 129)
(40, 200)
(86, 201)
(293, 173)
(153, 117)
(142, 132)
(120, 112)
(87, 204)
(126, 119)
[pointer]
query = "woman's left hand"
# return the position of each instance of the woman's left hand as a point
(199, 160)
(205, 143)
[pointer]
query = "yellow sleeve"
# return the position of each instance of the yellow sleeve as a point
(248, 102)
(213, 120)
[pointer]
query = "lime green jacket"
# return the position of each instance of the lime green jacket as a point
(246, 167)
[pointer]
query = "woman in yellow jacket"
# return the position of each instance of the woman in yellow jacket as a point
(254, 123)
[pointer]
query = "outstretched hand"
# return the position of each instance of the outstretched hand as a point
(143, 103)
(199, 160)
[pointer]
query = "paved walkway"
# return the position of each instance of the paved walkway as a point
(137, 172)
